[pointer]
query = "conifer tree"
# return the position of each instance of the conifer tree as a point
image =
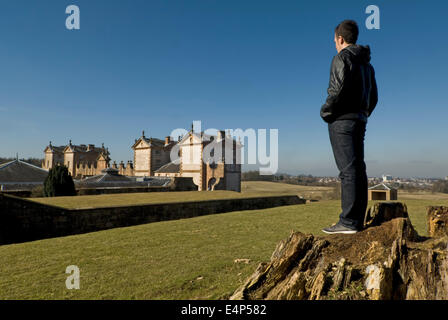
(59, 183)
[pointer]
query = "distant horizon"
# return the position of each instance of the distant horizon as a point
(280, 172)
(336, 176)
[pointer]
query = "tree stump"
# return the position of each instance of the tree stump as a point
(387, 260)
(384, 211)
(437, 218)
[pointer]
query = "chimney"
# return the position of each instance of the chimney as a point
(167, 140)
(91, 147)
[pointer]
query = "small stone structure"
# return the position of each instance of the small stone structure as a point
(382, 192)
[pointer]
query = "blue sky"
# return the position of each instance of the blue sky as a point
(157, 65)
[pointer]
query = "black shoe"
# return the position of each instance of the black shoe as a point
(339, 228)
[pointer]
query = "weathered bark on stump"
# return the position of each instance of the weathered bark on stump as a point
(384, 211)
(437, 221)
(387, 260)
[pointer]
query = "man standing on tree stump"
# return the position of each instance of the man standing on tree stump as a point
(352, 97)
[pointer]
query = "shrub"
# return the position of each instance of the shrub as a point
(59, 183)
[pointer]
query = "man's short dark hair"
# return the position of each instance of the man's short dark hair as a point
(348, 29)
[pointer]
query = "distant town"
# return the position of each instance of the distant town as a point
(423, 183)
(431, 184)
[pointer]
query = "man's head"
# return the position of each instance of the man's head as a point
(345, 34)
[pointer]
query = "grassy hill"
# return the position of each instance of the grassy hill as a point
(249, 189)
(181, 259)
(278, 187)
(129, 199)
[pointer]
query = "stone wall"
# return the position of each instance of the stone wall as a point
(23, 220)
(18, 193)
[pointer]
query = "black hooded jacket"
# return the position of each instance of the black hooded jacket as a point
(352, 92)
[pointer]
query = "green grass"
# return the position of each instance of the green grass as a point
(278, 187)
(181, 259)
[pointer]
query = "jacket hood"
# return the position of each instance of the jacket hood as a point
(361, 53)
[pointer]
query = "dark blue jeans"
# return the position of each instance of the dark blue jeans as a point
(347, 141)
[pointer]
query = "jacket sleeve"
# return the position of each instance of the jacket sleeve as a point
(373, 93)
(335, 89)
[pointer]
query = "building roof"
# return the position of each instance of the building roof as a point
(109, 175)
(20, 172)
(110, 178)
(55, 149)
(89, 152)
(84, 148)
(153, 142)
(171, 167)
(154, 181)
(203, 137)
(207, 138)
(381, 186)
